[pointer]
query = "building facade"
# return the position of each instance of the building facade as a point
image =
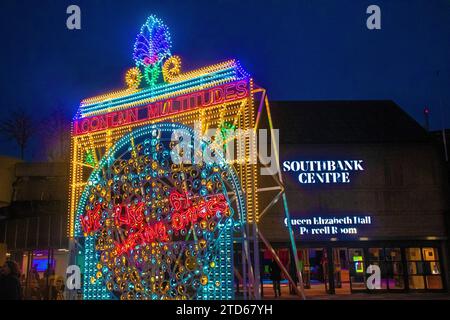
(365, 185)
(33, 229)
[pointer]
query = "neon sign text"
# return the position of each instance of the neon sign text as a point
(185, 213)
(182, 218)
(200, 99)
(91, 221)
(146, 235)
(323, 172)
(130, 216)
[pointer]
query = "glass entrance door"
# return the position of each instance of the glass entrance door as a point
(346, 274)
(341, 271)
(318, 270)
(344, 270)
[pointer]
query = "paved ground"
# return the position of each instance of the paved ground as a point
(317, 294)
(385, 296)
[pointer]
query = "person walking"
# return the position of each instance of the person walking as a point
(35, 283)
(275, 275)
(10, 288)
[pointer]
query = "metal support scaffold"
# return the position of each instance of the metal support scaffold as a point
(264, 105)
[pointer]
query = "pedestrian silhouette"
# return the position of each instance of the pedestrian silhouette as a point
(10, 288)
(275, 276)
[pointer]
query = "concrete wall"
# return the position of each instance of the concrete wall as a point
(403, 187)
(7, 177)
(37, 217)
(41, 181)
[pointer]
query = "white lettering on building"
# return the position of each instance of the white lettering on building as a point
(323, 171)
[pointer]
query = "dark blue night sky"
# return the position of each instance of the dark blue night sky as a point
(298, 50)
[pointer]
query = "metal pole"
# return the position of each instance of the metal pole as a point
(330, 269)
(27, 280)
(256, 284)
(251, 276)
(27, 227)
(294, 246)
(286, 210)
(238, 277)
(71, 294)
(15, 235)
(37, 232)
(6, 231)
(442, 120)
(47, 290)
(244, 268)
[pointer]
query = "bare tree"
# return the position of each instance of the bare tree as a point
(55, 131)
(19, 126)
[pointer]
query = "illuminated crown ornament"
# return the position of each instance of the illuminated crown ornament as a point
(152, 47)
(153, 43)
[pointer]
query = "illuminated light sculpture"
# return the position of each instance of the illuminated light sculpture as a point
(158, 230)
(144, 227)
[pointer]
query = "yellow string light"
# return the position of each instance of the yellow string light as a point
(133, 78)
(171, 68)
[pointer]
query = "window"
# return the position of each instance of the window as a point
(390, 262)
(376, 257)
(415, 268)
(432, 269)
(424, 271)
(394, 268)
(357, 268)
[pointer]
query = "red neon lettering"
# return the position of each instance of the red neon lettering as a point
(184, 214)
(218, 95)
(94, 124)
(130, 216)
(133, 217)
(147, 235)
(230, 93)
(241, 88)
(132, 115)
(203, 101)
(154, 110)
(85, 125)
(200, 99)
(91, 221)
(167, 107)
(121, 118)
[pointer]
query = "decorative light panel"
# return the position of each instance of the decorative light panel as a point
(150, 228)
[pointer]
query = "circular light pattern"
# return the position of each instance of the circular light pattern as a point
(153, 43)
(156, 222)
(171, 68)
(133, 78)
